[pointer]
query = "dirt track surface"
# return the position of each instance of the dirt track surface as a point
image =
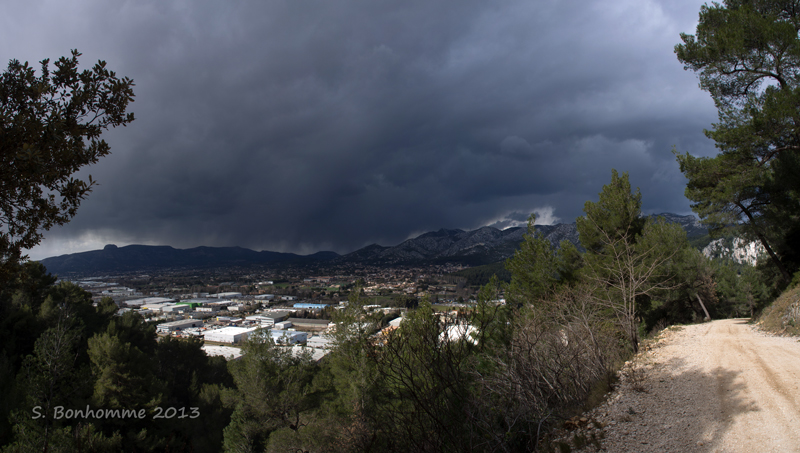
(721, 386)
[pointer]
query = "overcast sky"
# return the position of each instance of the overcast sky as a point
(306, 125)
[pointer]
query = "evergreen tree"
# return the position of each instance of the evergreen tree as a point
(747, 55)
(274, 391)
(533, 268)
(124, 379)
(627, 256)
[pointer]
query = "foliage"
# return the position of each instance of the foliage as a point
(574, 314)
(423, 368)
(50, 377)
(617, 215)
(627, 256)
(275, 391)
(700, 242)
(742, 288)
(537, 267)
(561, 347)
(747, 53)
(61, 350)
(402, 301)
(351, 367)
(491, 318)
(50, 127)
(481, 275)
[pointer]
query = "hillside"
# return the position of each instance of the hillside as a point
(482, 246)
(783, 315)
(735, 249)
(146, 257)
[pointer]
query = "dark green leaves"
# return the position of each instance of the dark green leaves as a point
(747, 55)
(50, 127)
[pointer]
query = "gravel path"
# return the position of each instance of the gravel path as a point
(721, 386)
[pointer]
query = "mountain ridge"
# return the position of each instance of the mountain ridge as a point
(483, 245)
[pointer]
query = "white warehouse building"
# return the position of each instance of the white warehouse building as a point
(288, 336)
(178, 325)
(229, 335)
(228, 295)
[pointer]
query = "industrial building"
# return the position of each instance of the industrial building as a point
(228, 352)
(309, 324)
(308, 305)
(269, 319)
(148, 301)
(315, 354)
(276, 316)
(198, 300)
(167, 307)
(229, 335)
(178, 325)
(320, 342)
(174, 308)
(288, 337)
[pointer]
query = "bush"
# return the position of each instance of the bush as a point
(562, 352)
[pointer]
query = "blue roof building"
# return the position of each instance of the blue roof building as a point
(307, 305)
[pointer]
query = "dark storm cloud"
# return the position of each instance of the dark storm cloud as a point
(307, 125)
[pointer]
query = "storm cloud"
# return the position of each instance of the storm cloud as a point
(315, 125)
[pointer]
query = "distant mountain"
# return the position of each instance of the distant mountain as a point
(691, 224)
(146, 257)
(482, 246)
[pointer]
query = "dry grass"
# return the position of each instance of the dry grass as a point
(783, 316)
(635, 377)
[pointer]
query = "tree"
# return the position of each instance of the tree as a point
(627, 255)
(537, 267)
(352, 370)
(533, 268)
(617, 214)
(560, 349)
(747, 54)
(275, 391)
(697, 276)
(124, 374)
(424, 369)
(50, 127)
(49, 377)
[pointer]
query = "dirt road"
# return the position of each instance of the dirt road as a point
(717, 387)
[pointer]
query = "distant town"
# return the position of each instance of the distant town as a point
(224, 307)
